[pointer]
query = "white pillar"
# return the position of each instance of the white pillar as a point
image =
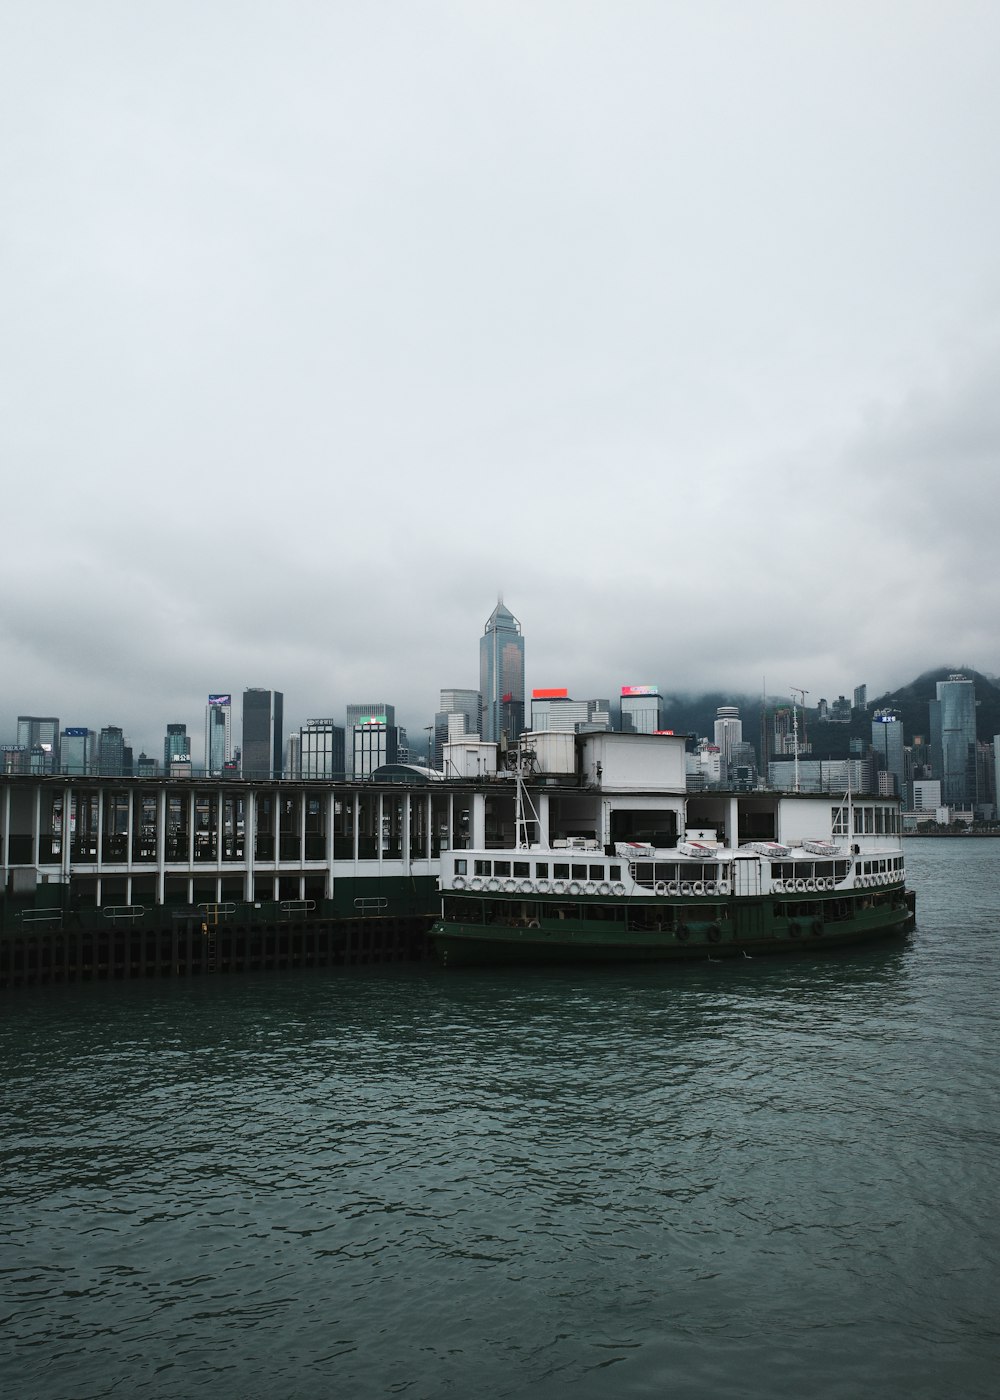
(331, 817)
(161, 843)
(478, 821)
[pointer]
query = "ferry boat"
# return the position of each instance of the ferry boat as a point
(641, 870)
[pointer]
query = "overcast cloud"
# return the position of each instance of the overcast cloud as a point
(322, 323)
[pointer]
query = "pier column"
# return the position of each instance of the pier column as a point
(381, 828)
(357, 820)
(429, 828)
(478, 821)
(36, 826)
(100, 838)
(129, 828)
(331, 817)
(6, 827)
(404, 835)
(161, 844)
(191, 819)
(66, 849)
(249, 841)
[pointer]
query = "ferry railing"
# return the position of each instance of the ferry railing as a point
(41, 916)
(123, 913)
(214, 913)
(368, 906)
(296, 908)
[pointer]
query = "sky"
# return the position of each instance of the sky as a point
(323, 325)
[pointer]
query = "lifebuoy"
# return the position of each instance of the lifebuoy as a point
(509, 886)
(800, 886)
(492, 885)
(590, 887)
(811, 885)
(559, 887)
(685, 887)
(817, 928)
(533, 923)
(778, 886)
(525, 887)
(618, 889)
(575, 887)
(660, 888)
(698, 887)
(475, 883)
(604, 888)
(542, 886)
(458, 883)
(723, 886)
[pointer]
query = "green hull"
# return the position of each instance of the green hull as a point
(751, 927)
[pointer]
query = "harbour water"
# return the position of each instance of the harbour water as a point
(763, 1178)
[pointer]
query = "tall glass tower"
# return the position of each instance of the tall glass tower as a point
(953, 740)
(263, 733)
(218, 734)
(501, 676)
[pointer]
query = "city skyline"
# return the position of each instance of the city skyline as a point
(679, 326)
(420, 729)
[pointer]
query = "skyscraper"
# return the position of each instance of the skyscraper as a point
(888, 753)
(321, 750)
(218, 733)
(363, 749)
(501, 676)
(728, 737)
(263, 737)
(176, 747)
(76, 750)
(40, 732)
(642, 709)
(468, 704)
(953, 740)
(114, 757)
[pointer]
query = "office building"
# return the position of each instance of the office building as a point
(321, 750)
(468, 704)
(263, 734)
(377, 712)
(176, 749)
(501, 677)
(728, 734)
(375, 743)
(41, 733)
(641, 709)
(888, 753)
(553, 709)
(114, 756)
(953, 740)
(218, 734)
(861, 697)
(77, 750)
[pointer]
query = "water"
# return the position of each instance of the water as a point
(769, 1178)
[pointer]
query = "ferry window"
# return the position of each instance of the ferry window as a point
(542, 870)
(644, 873)
(461, 867)
(840, 815)
(615, 872)
(483, 867)
(560, 871)
(579, 872)
(597, 872)
(522, 867)
(665, 873)
(501, 867)
(880, 820)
